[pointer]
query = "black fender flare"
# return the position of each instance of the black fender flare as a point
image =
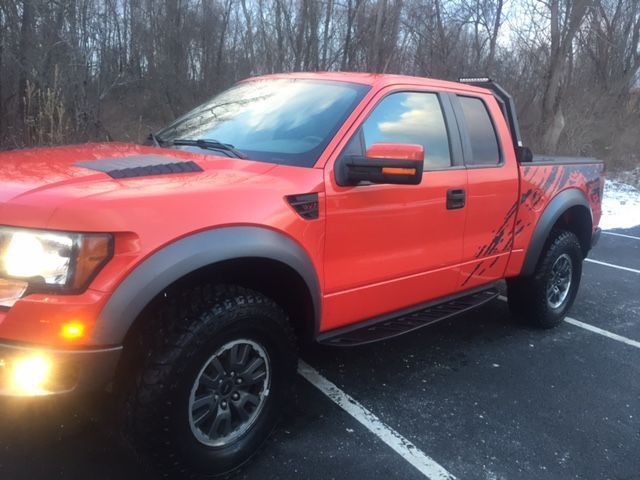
(189, 254)
(557, 206)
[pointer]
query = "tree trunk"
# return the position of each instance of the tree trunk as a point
(497, 22)
(302, 28)
(562, 37)
(24, 59)
(347, 40)
(325, 39)
(249, 47)
(3, 28)
(378, 60)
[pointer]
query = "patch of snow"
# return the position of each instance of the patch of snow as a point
(620, 206)
(631, 177)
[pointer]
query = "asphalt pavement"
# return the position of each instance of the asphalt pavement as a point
(480, 397)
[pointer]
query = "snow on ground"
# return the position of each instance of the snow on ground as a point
(620, 206)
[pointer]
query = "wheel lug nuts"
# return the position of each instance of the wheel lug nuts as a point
(223, 404)
(238, 380)
(235, 396)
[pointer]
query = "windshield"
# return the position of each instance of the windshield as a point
(286, 121)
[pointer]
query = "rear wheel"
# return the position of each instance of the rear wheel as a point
(217, 376)
(544, 298)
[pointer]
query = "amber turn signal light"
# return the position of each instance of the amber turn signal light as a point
(72, 331)
(94, 251)
(399, 171)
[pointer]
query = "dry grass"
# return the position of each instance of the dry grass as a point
(45, 119)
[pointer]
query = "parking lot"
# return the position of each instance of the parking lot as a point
(476, 397)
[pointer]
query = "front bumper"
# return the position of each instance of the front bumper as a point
(29, 371)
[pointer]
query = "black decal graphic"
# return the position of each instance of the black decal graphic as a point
(473, 272)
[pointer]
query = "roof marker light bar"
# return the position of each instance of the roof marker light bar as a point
(474, 79)
(507, 106)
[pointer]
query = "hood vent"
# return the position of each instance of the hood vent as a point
(140, 166)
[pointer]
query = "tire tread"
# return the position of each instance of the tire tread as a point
(183, 323)
(527, 295)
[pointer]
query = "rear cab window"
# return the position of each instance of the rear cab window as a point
(485, 149)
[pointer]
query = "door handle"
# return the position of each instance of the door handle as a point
(456, 198)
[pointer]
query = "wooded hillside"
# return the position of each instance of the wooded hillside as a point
(79, 70)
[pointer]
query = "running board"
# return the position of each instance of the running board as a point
(389, 326)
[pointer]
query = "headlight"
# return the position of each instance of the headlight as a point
(39, 261)
(31, 255)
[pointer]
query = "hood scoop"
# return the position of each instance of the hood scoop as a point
(140, 166)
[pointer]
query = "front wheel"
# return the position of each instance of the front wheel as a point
(218, 373)
(544, 298)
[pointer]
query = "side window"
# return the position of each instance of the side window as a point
(411, 117)
(482, 135)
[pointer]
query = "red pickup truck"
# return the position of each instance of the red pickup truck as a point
(329, 207)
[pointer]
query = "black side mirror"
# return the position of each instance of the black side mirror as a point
(385, 163)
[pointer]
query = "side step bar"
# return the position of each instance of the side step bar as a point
(392, 325)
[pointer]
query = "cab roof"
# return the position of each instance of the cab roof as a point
(378, 80)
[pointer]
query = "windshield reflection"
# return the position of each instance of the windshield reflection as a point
(286, 121)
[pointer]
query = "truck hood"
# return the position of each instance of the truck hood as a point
(34, 184)
(28, 171)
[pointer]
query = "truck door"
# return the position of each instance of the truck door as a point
(493, 189)
(390, 247)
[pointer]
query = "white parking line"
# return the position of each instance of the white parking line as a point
(612, 265)
(611, 335)
(591, 328)
(620, 235)
(424, 464)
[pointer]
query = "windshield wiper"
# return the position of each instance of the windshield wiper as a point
(153, 140)
(206, 144)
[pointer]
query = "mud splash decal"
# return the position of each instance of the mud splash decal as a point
(540, 183)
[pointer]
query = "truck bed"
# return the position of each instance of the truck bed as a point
(544, 178)
(562, 160)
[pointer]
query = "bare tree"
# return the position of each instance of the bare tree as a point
(566, 17)
(117, 68)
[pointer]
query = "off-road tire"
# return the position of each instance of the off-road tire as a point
(186, 328)
(527, 296)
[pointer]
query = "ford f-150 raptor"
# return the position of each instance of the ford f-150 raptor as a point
(329, 207)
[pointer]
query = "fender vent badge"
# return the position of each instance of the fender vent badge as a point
(307, 205)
